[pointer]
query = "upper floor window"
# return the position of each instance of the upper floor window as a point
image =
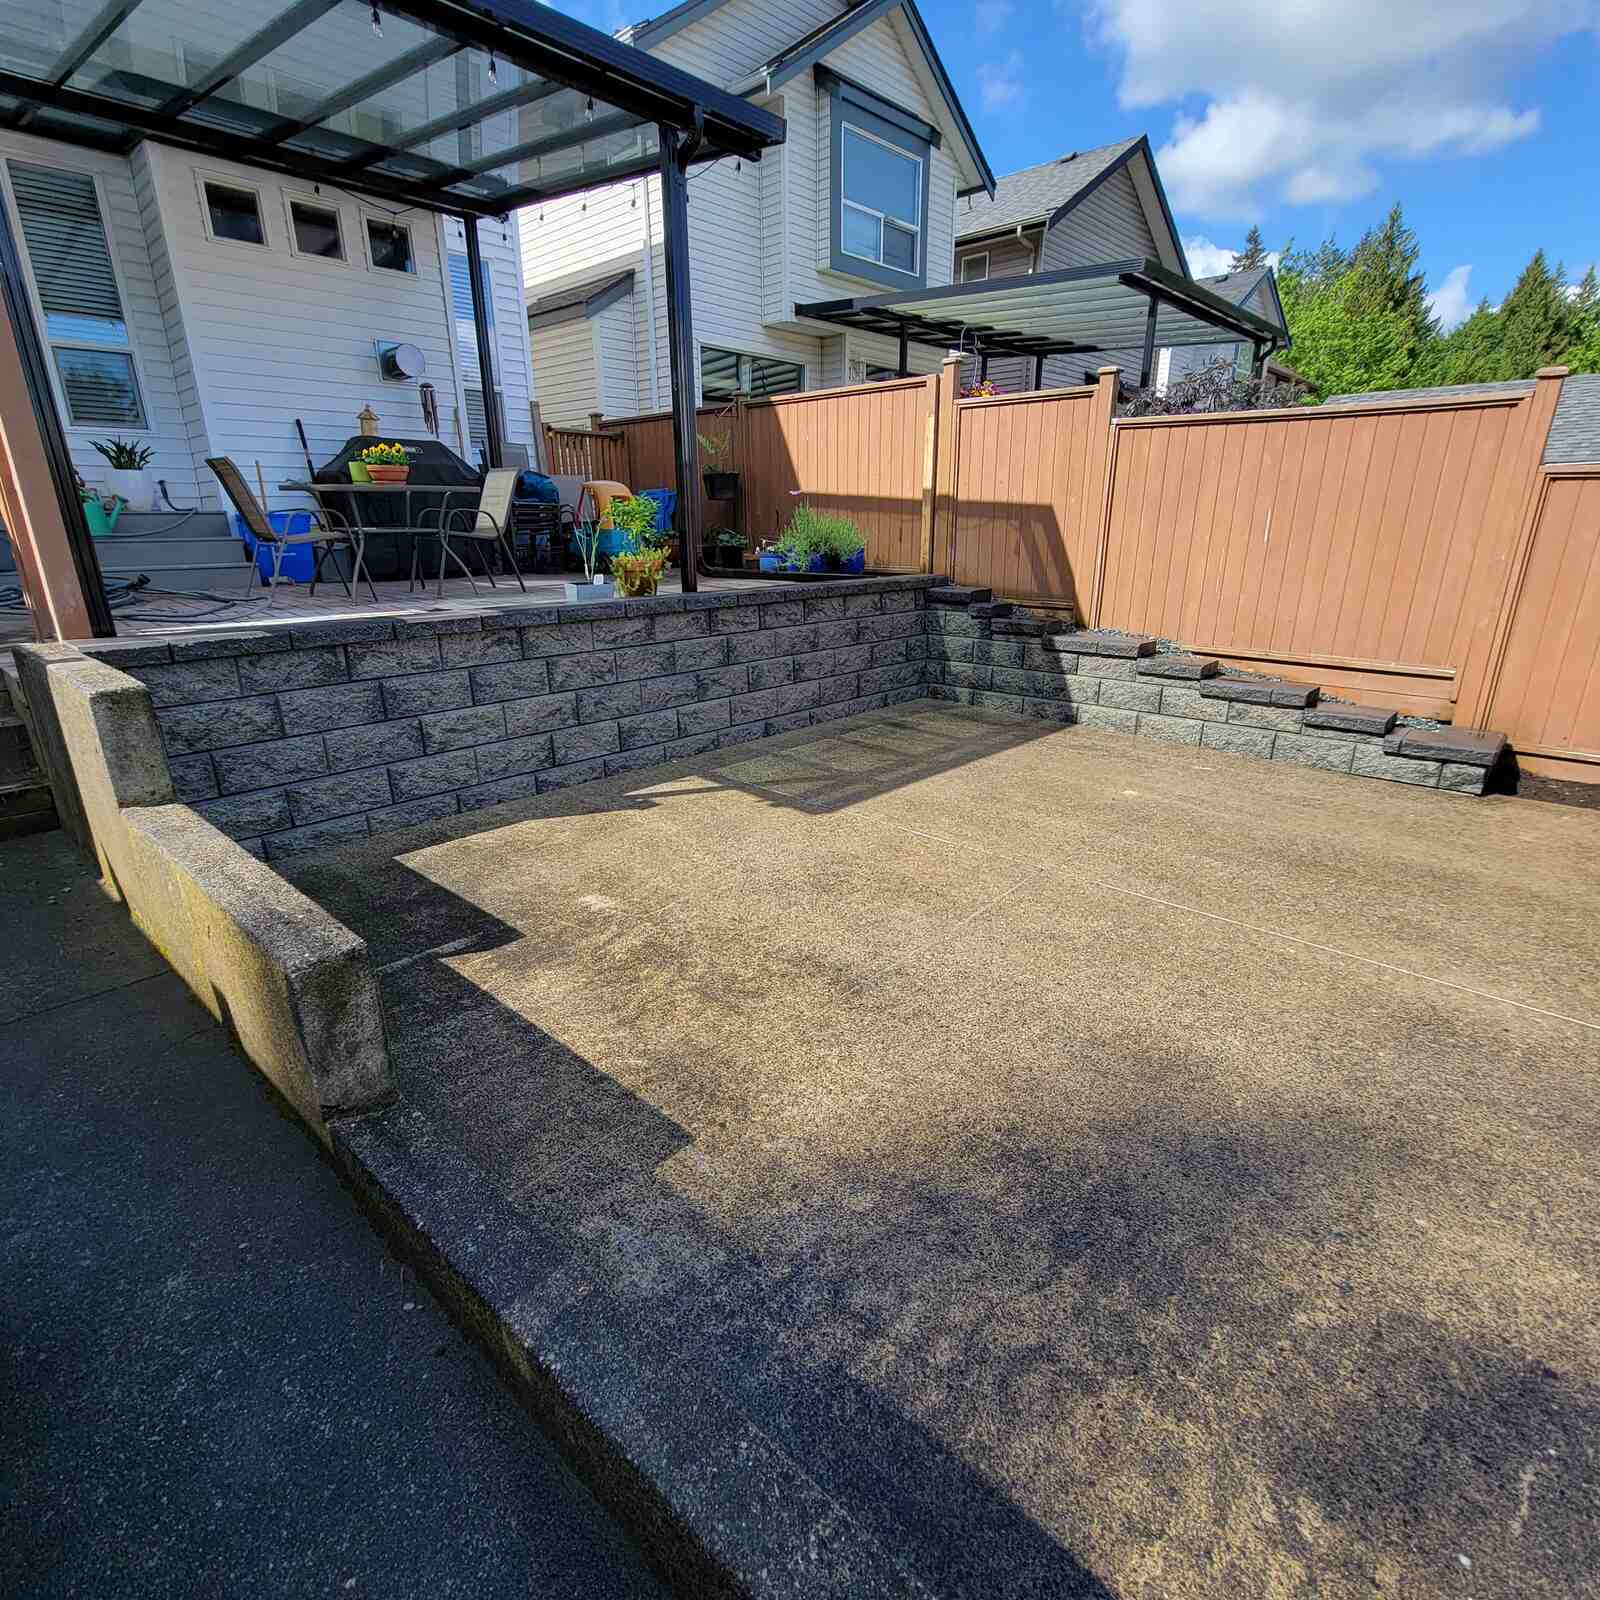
(389, 245)
(974, 269)
(75, 283)
(881, 192)
(882, 160)
(314, 230)
(234, 213)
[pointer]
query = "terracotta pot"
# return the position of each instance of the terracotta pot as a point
(382, 474)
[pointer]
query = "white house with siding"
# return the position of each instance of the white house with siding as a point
(199, 306)
(864, 194)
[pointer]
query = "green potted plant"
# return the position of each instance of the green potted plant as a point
(721, 484)
(587, 536)
(636, 519)
(386, 463)
(128, 479)
(843, 547)
(728, 543)
(637, 572)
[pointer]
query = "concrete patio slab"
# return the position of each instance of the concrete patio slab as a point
(1085, 1166)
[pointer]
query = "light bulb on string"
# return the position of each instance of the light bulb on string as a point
(377, 21)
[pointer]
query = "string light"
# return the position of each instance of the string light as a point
(494, 75)
(588, 110)
(377, 21)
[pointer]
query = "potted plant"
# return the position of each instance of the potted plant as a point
(587, 536)
(128, 480)
(845, 549)
(636, 518)
(720, 483)
(100, 514)
(386, 463)
(637, 572)
(728, 543)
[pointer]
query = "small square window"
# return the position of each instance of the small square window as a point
(234, 214)
(316, 230)
(389, 245)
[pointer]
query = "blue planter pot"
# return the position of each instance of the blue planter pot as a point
(855, 563)
(815, 564)
(769, 562)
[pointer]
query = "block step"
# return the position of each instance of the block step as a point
(992, 608)
(1093, 642)
(1463, 746)
(1020, 627)
(1350, 719)
(958, 594)
(1177, 665)
(26, 806)
(1260, 691)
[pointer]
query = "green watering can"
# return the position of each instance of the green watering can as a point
(100, 520)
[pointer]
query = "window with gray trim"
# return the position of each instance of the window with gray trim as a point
(880, 165)
(727, 375)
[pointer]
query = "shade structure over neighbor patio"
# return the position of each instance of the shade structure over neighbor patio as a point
(567, 108)
(1116, 305)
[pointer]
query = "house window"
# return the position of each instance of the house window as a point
(314, 230)
(461, 300)
(727, 375)
(881, 195)
(76, 285)
(389, 246)
(477, 423)
(233, 213)
(974, 269)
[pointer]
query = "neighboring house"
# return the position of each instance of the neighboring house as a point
(1255, 289)
(1081, 210)
(199, 307)
(863, 195)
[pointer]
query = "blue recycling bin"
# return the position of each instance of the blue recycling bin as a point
(666, 503)
(299, 560)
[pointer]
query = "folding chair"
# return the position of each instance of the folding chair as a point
(488, 522)
(324, 535)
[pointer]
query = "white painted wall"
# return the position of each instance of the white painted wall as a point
(564, 358)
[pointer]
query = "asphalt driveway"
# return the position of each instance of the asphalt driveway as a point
(1109, 1169)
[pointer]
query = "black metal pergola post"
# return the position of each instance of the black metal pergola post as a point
(1147, 361)
(494, 444)
(677, 151)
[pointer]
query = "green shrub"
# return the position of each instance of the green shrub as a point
(636, 517)
(812, 532)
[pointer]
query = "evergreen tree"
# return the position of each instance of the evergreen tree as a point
(1536, 320)
(1253, 255)
(1584, 354)
(1471, 353)
(1385, 264)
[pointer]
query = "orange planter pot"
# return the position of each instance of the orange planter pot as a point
(382, 474)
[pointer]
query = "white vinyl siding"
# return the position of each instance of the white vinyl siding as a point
(564, 372)
(1109, 225)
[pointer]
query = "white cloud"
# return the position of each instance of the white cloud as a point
(1449, 302)
(990, 16)
(1302, 101)
(1208, 260)
(1000, 84)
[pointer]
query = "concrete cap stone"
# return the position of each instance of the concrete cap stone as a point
(1260, 691)
(1099, 642)
(1350, 719)
(1178, 666)
(1463, 745)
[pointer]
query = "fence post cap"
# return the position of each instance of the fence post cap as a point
(953, 356)
(1553, 372)
(1104, 371)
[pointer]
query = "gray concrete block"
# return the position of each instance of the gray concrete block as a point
(769, 674)
(450, 769)
(245, 815)
(824, 608)
(1370, 720)
(878, 679)
(186, 730)
(317, 836)
(1184, 700)
(903, 600)
(705, 717)
(645, 661)
(916, 647)
(695, 745)
(513, 614)
(413, 812)
(602, 738)
(1103, 642)
(695, 655)
(1260, 691)
(762, 646)
(656, 694)
(514, 756)
(338, 706)
(1375, 763)
(682, 625)
(1280, 718)
(1462, 745)
(721, 680)
(735, 619)
(741, 733)
(519, 786)
(600, 610)
(998, 652)
(1328, 754)
(838, 635)
(797, 641)
(436, 627)
(392, 658)
(783, 613)
(293, 669)
(858, 657)
(792, 723)
(126, 654)
(1049, 710)
(1014, 705)
(633, 733)
(374, 745)
(863, 605)
(942, 648)
(455, 730)
(650, 755)
(480, 649)
(1108, 717)
(1108, 667)
(197, 646)
(609, 701)
(1169, 730)
(1133, 696)
(193, 777)
(756, 707)
(814, 664)
(541, 713)
(582, 672)
(830, 691)
(959, 676)
(340, 796)
(1176, 664)
(189, 682)
(795, 697)
(943, 692)
(270, 765)
(1239, 741)
(1461, 777)
(567, 777)
(623, 630)
(512, 680)
(559, 639)
(347, 631)
(905, 624)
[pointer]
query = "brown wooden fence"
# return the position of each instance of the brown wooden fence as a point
(588, 453)
(649, 459)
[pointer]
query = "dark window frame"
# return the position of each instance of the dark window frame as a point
(369, 221)
(210, 181)
(727, 396)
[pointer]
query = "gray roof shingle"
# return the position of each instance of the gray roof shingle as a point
(1510, 385)
(1235, 287)
(1575, 428)
(1036, 192)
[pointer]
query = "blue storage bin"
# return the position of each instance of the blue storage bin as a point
(666, 506)
(299, 561)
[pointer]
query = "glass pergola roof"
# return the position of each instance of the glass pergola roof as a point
(471, 106)
(1078, 311)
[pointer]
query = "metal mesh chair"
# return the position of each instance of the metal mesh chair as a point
(488, 522)
(324, 536)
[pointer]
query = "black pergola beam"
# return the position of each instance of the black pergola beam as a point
(398, 70)
(256, 48)
(545, 145)
(110, 18)
(458, 120)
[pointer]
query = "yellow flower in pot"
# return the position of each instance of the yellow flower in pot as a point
(386, 463)
(638, 572)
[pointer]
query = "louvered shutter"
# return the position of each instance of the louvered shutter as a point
(60, 216)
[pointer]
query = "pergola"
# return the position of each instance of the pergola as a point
(568, 108)
(1115, 305)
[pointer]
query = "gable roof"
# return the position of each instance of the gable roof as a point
(1254, 284)
(1036, 194)
(586, 298)
(810, 47)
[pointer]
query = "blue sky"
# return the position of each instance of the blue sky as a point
(1303, 116)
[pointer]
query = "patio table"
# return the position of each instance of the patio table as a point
(347, 500)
